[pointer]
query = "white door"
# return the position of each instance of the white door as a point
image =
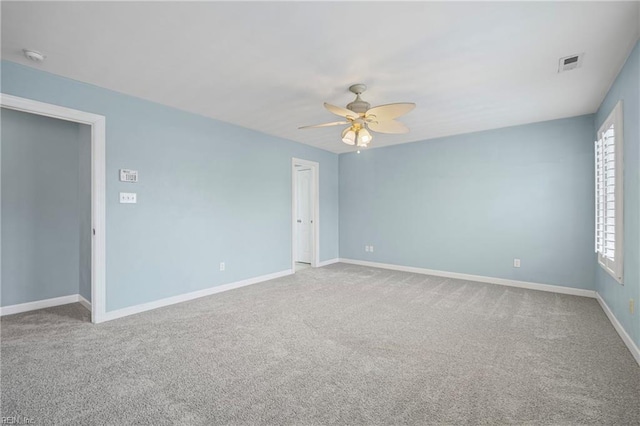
(303, 213)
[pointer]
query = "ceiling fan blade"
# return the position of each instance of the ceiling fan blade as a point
(389, 111)
(389, 126)
(335, 123)
(342, 112)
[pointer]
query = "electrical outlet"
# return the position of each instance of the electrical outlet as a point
(222, 266)
(516, 263)
(632, 306)
(371, 249)
(366, 248)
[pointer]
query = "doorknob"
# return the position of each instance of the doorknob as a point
(299, 221)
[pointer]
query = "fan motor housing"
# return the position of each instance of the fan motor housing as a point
(359, 106)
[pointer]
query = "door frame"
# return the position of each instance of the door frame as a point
(315, 210)
(98, 187)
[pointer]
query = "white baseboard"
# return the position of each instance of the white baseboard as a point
(84, 302)
(41, 304)
(477, 278)
(131, 310)
(328, 262)
(621, 331)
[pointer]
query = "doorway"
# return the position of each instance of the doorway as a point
(305, 214)
(91, 265)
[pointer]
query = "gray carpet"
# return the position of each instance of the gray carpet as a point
(343, 344)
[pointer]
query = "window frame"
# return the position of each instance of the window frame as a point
(615, 267)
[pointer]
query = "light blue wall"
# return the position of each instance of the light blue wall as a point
(472, 203)
(208, 192)
(627, 88)
(40, 207)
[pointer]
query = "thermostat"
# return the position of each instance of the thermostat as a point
(127, 175)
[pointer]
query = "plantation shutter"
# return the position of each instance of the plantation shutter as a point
(600, 198)
(609, 194)
(605, 194)
(609, 160)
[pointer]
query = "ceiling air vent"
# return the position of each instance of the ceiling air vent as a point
(569, 63)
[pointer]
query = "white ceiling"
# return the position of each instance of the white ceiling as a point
(269, 66)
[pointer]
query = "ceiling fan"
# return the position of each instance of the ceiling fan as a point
(361, 118)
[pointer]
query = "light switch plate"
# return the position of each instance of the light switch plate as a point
(128, 198)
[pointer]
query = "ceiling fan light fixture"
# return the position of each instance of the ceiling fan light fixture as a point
(362, 118)
(349, 136)
(363, 138)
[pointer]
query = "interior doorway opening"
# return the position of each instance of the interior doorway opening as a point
(91, 224)
(46, 211)
(305, 214)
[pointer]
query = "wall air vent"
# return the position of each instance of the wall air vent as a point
(569, 63)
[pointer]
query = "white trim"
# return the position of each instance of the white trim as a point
(315, 196)
(98, 186)
(99, 221)
(84, 302)
(41, 304)
(131, 310)
(328, 262)
(477, 278)
(620, 329)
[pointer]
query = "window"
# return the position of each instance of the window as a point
(608, 159)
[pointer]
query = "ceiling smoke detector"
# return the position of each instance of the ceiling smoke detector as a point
(569, 63)
(33, 55)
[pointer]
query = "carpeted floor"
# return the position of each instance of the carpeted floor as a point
(342, 344)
